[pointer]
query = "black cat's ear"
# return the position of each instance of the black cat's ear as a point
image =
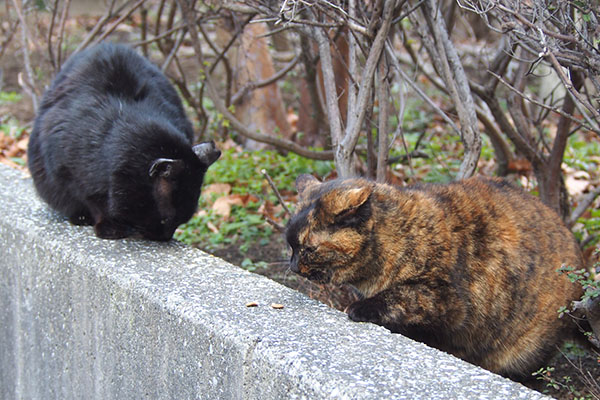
(165, 168)
(207, 152)
(305, 181)
(347, 200)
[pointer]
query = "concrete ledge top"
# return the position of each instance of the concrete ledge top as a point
(305, 350)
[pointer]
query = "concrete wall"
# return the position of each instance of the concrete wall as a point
(96, 319)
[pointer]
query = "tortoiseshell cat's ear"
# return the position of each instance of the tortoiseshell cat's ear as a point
(346, 200)
(304, 182)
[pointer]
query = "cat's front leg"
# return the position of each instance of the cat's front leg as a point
(371, 309)
(412, 308)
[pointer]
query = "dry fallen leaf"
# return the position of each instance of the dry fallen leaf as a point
(252, 304)
(201, 213)
(277, 306)
(212, 227)
(22, 144)
(577, 183)
(217, 188)
(269, 210)
(222, 206)
(12, 151)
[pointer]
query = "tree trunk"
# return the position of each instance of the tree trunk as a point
(260, 109)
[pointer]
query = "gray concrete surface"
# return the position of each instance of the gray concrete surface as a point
(85, 318)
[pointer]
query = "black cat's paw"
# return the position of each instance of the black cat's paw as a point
(108, 230)
(368, 310)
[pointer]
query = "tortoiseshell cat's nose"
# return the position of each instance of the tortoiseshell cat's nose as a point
(294, 263)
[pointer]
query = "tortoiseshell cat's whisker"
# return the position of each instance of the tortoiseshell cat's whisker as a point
(279, 262)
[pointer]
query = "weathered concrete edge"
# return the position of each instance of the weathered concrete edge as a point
(84, 316)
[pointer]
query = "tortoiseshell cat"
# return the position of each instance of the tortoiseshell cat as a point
(469, 267)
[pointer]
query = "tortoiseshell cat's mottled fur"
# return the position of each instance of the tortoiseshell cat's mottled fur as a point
(469, 267)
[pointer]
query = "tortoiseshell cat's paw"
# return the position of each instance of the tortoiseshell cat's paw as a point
(368, 310)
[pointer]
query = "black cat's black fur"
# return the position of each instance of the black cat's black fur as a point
(112, 147)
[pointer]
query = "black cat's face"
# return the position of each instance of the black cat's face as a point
(329, 232)
(170, 196)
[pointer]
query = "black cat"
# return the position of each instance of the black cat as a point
(111, 147)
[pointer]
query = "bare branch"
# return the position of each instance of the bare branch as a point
(450, 66)
(565, 35)
(591, 309)
(61, 32)
(346, 147)
(158, 37)
(9, 35)
(99, 25)
(116, 23)
(570, 87)
(333, 108)
(27, 84)
(398, 68)
(501, 148)
(352, 63)
(582, 205)
(173, 52)
(383, 95)
(278, 227)
(50, 31)
(249, 86)
(189, 17)
(540, 104)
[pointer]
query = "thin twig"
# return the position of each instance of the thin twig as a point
(144, 30)
(249, 86)
(418, 90)
(570, 87)
(278, 227)
(159, 37)
(115, 24)
(174, 50)
(61, 32)
(540, 104)
(407, 157)
(103, 21)
(50, 31)
(266, 175)
(8, 37)
(26, 84)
